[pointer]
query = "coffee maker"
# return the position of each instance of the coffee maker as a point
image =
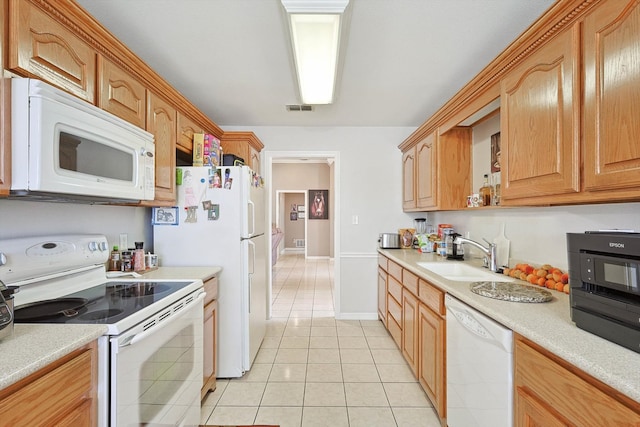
(454, 250)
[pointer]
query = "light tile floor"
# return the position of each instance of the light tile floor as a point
(313, 370)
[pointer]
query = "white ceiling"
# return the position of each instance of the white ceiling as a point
(403, 58)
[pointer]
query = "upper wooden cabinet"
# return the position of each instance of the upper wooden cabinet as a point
(611, 99)
(426, 175)
(120, 93)
(409, 179)
(540, 122)
(186, 129)
(41, 47)
(161, 122)
(5, 118)
(245, 145)
(437, 171)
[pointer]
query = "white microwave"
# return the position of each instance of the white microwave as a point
(63, 148)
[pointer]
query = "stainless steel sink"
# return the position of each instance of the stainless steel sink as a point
(461, 272)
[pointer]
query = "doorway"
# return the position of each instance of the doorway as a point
(291, 221)
(328, 227)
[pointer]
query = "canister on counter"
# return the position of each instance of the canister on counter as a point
(406, 237)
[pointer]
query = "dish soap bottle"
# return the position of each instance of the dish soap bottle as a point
(486, 191)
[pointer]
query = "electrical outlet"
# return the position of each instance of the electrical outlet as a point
(354, 219)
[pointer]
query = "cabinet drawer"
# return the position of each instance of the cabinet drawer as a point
(579, 398)
(431, 296)
(395, 331)
(394, 288)
(394, 309)
(395, 270)
(410, 281)
(382, 262)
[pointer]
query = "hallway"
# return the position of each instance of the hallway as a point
(313, 370)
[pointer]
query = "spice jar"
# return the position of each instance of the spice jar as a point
(127, 261)
(114, 261)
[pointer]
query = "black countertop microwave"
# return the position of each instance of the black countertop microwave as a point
(604, 276)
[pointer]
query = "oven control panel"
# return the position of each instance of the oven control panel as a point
(29, 257)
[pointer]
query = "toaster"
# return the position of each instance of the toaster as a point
(389, 241)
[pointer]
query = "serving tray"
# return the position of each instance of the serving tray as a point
(509, 291)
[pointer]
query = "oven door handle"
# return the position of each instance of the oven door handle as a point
(142, 335)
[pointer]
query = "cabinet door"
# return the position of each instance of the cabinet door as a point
(120, 93)
(5, 118)
(382, 295)
(254, 160)
(408, 179)
(186, 129)
(431, 360)
(612, 96)
(209, 344)
(426, 172)
(410, 330)
(41, 47)
(540, 122)
(161, 122)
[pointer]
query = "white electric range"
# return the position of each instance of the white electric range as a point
(150, 359)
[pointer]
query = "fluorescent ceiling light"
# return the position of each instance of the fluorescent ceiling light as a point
(315, 28)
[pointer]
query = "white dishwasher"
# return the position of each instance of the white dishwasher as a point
(479, 369)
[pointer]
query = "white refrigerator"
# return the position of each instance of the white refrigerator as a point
(220, 221)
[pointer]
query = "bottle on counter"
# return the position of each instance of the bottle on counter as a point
(486, 191)
(127, 262)
(138, 257)
(114, 260)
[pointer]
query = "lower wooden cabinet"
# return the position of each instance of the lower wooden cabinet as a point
(552, 392)
(382, 295)
(210, 337)
(61, 394)
(410, 330)
(431, 357)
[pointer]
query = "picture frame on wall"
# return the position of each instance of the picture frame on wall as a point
(165, 216)
(318, 204)
(301, 215)
(293, 216)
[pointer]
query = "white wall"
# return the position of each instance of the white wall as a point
(370, 188)
(25, 218)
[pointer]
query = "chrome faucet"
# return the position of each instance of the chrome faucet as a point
(489, 260)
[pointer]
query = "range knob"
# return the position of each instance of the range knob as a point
(103, 246)
(93, 246)
(3, 258)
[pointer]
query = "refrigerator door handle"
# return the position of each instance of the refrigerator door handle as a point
(252, 267)
(252, 217)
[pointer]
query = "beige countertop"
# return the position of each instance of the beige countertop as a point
(34, 346)
(182, 273)
(548, 324)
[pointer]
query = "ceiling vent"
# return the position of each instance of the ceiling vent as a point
(298, 107)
